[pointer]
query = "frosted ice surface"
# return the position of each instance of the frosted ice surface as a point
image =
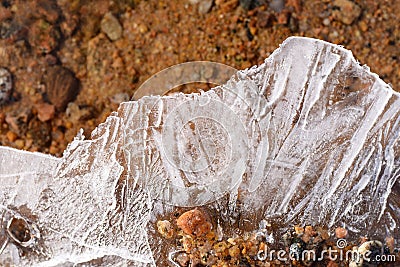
(309, 136)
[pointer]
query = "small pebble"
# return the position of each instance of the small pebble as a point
(205, 6)
(194, 222)
(324, 233)
(11, 136)
(363, 26)
(40, 132)
(68, 124)
(54, 149)
(283, 18)
(18, 120)
(310, 231)
(390, 243)
(326, 21)
(165, 229)
(45, 111)
(277, 5)
(234, 251)
(226, 6)
(299, 230)
(19, 143)
(111, 26)
(231, 241)
(119, 98)
(62, 86)
(347, 11)
(75, 112)
(187, 243)
(143, 28)
(341, 232)
(182, 259)
(43, 36)
(5, 85)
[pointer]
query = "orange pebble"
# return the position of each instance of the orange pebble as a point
(341, 232)
(194, 222)
(11, 136)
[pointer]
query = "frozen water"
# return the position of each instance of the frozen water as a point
(309, 136)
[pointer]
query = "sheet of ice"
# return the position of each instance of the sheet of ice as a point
(310, 136)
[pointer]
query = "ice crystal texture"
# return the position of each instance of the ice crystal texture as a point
(310, 136)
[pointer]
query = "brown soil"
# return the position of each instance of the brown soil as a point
(112, 47)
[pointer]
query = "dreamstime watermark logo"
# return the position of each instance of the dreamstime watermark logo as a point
(371, 251)
(206, 139)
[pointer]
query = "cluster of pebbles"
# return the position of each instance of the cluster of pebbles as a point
(198, 243)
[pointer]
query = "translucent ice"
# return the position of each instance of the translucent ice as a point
(310, 136)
